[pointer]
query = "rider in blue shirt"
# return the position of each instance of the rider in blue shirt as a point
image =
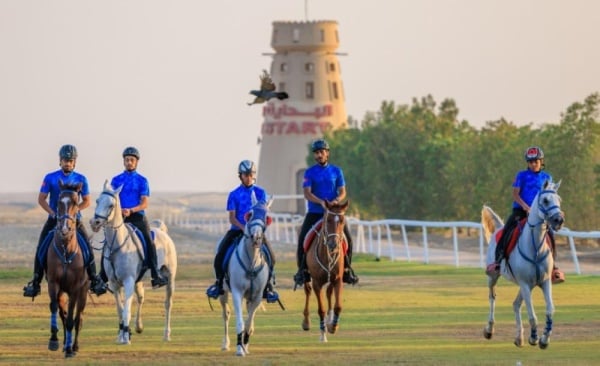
(322, 181)
(526, 185)
(48, 201)
(134, 198)
(239, 202)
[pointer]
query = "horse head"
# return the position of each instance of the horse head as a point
(546, 206)
(68, 208)
(333, 223)
(108, 208)
(257, 220)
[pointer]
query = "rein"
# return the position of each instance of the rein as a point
(324, 235)
(253, 271)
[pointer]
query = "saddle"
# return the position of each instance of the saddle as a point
(231, 250)
(42, 254)
(514, 236)
(313, 232)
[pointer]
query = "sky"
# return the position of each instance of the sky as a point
(172, 77)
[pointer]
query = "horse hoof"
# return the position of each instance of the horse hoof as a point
(533, 341)
(543, 345)
(305, 325)
(332, 328)
(519, 343)
(487, 334)
(53, 345)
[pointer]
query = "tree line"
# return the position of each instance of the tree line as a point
(420, 162)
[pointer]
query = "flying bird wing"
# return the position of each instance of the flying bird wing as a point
(266, 83)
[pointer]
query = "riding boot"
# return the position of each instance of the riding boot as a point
(216, 290)
(349, 275)
(269, 293)
(33, 288)
(302, 276)
(97, 285)
(157, 279)
(558, 276)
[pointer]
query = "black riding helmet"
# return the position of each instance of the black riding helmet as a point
(319, 144)
(247, 167)
(131, 151)
(67, 152)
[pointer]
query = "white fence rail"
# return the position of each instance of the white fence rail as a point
(377, 237)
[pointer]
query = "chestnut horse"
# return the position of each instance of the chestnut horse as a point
(325, 262)
(68, 282)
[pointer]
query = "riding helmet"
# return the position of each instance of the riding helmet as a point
(131, 151)
(534, 153)
(67, 152)
(319, 144)
(247, 167)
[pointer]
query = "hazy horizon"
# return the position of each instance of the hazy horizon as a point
(172, 78)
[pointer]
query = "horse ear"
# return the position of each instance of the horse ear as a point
(118, 190)
(107, 186)
(270, 200)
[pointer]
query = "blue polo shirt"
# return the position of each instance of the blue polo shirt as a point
(530, 184)
(240, 201)
(51, 187)
(324, 182)
(134, 185)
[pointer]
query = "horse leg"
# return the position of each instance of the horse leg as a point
(488, 331)
(306, 320)
(70, 324)
(53, 342)
(139, 292)
(318, 290)
(128, 290)
(519, 322)
(118, 294)
(81, 302)
(545, 339)
(333, 323)
(226, 315)
(526, 295)
(252, 307)
(239, 322)
(168, 305)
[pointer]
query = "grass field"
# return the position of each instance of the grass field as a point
(401, 314)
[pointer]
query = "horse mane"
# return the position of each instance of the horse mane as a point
(490, 221)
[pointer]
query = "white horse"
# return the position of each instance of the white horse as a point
(123, 259)
(529, 265)
(247, 273)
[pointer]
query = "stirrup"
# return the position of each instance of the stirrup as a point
(349, 277)
(98, 286)
(214, 291)
(301, 277)
(492, 269)
(159, 281)
(32, 289)
(557, 276)
(271, 296)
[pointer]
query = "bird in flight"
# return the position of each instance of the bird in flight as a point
(267, 90)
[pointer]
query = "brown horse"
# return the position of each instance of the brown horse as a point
(68, 282)
(325, 262)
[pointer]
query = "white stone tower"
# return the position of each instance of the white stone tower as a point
(305, 66)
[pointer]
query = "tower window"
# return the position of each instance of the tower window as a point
(309, 67)
(283, 67)
(334, 88)
(322, 32)
(332, 67)
(310, 90)
(296, 35)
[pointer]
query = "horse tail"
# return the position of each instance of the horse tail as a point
(490, 221)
